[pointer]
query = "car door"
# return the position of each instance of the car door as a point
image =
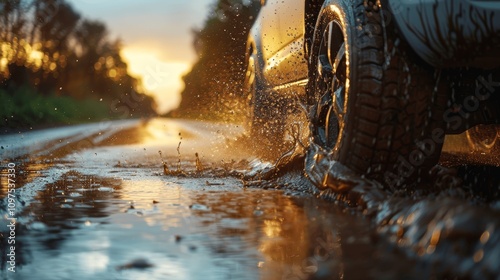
(269, 29)
(285, 61)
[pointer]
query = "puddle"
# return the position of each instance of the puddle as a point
(183, 228)
(450, 228)
(453, 228)
(26, 172)
(111, 212)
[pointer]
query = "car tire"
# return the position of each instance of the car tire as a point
(375, 107)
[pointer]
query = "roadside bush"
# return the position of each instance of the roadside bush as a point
(25, 107)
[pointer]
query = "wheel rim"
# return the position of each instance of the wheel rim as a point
(330, 87)
(482, 138)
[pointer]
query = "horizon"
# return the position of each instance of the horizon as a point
(158, 50)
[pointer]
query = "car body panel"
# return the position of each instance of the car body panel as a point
(444, 33)
(266, 31)
(462, 35)
(287, 65)
(278, 36)
(450, 33)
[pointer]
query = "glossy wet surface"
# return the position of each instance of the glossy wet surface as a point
(185, 229)
(101, 207)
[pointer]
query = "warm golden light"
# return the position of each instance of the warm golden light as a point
(32, 54)
(160, 78)
(112, 73)
(35, 57)
(3, 63)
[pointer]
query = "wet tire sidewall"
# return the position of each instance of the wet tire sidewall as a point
(390, 97)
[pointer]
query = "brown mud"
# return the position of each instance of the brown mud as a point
(121, 209)
(451, 227)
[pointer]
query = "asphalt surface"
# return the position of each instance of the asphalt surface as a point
(166, 199)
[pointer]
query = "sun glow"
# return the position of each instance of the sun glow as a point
(28, 53)
(160, 78)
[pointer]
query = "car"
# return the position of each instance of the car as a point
(379, 83)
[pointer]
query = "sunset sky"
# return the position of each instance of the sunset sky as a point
(157, 39)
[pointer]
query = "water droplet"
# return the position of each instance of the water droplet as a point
(38, 226)
(478, 256)
(485, 237)
(136, 264)
(199, 207)
(105, 189)
(258, 213)
(75, 194)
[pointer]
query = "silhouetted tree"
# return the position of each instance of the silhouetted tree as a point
(215, 82)
(55, 30)
(47, 46)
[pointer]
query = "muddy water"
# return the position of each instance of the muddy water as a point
(92, 227)
(104, 208)
(192, 232)
(451, 223)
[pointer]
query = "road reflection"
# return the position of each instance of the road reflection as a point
(191, 228)
(60, 209)
(111, 213)
(294, 237)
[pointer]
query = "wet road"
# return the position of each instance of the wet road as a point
(100, 201)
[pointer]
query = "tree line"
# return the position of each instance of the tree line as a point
(51, 49)
(214, 86)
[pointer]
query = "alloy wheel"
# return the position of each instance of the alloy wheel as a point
(330, 88)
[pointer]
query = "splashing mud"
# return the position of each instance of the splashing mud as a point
(452, 228)
(112, 212)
